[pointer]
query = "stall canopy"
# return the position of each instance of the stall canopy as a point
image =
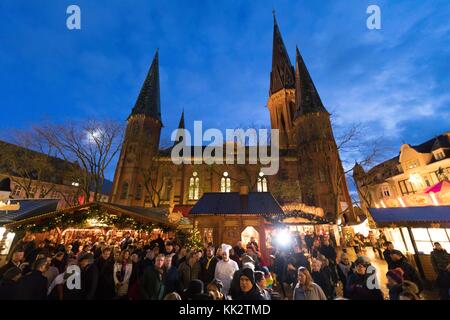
(143, 215)
(28, 208)
(429, 216)
(257, 203)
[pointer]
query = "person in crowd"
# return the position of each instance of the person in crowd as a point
(89, 276)
(239, 249)
(345, 269)
(225, 268)
(219, 253)
(33, 286)
(122, 273)
(58, 261)
(105, 265)
(189, 270)
(409, 272)
(375, 244)
(299, 258)
(387, 254)
(280, 268)
(152, 283)
(172, 296)
(234, 257)
(171, 277)
(214, 289)
(168, 248)
(440, 259)
(322, 278)
(248, 290)
(235, 282)
(57, 289)
(396, 284)
(443, 283)
(408, 295)
(195, 291)
(133, 286)
(309, 240)
(180, 257)
(52, 272)
(126, 241)
(9, 283)
(357, 285)
(260, 281)
(254, 244)
(15, 261)
(315, 250)
(208, 266)
(306, 289)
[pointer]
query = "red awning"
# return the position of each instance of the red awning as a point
(441, 186)
(183, 209)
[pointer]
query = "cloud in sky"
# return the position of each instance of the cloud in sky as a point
(215, 59)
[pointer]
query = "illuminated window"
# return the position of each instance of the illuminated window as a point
(412, 164)
(426, 237)
(406, 187)
(225, 183)
(262, 183)
(124, 193)
(439, 155)
(385, 192)
(194, 186)
(17, 190)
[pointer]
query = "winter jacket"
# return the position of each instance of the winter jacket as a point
(171, 280)
(32, 286)
(440, 260)
(121, 285)
(254, 294)
(105, 287)
(208, 268)
(188, 273)
(357, 288)
(323, 279)
(152, 285)
(410, 273)
(312, 293)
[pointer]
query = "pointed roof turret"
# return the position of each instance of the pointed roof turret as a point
(307, 99)
(181, 124)
(282, 74)
(148, 101)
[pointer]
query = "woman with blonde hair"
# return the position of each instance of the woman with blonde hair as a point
(306, 289)
(122, 273)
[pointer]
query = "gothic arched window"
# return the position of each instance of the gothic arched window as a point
(225, 183)
(124, 193)
(262, 183)
(138, 194)
(194, 186)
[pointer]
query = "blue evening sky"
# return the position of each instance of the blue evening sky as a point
(215, 59)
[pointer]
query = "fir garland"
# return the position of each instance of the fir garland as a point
(78, 219)
(296, 214)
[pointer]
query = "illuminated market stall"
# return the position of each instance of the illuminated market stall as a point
(413, 230)
(93, 221)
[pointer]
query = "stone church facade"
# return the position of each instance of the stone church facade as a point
(310, 168)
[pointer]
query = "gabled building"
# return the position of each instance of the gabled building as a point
(407, 179)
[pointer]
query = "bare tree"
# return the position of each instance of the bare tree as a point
(92, 145)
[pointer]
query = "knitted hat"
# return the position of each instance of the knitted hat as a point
(246, 259)
(396, 275)
(249, 273)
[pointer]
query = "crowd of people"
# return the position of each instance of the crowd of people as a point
(311, 268)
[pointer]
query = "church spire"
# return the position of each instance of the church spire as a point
(307, 99)
(148, 102)
(181, 124)
(282, 74)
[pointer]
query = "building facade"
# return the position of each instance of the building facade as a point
(407, 180)
(310, 169)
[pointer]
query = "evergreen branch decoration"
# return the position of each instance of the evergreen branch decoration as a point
(79, 218)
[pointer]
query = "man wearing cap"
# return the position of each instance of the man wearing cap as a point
(225, 268)
(248, 290)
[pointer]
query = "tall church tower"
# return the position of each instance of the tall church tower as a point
(322, 179)
(281, 102)
(141, 142)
